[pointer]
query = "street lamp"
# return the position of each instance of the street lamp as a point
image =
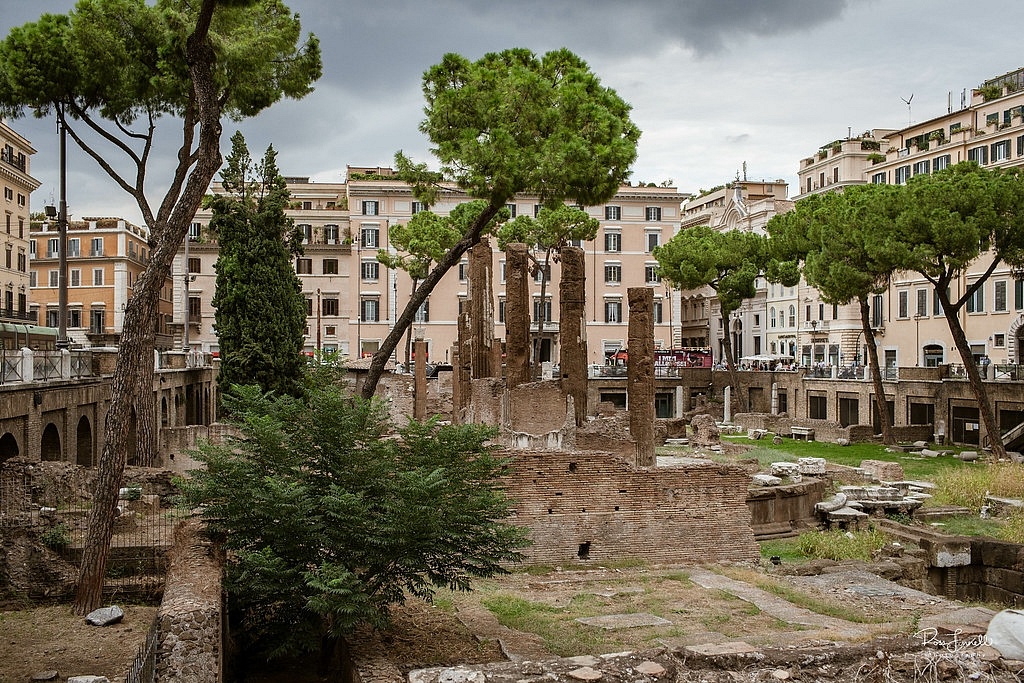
(917, 340)
(62, 228)
(187, 278)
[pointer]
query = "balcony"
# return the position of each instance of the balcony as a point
(18, 162)
(12, 315)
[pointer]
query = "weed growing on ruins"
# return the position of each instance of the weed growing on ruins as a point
(562, 635)
(970, 526)
(968, 486)
(1014, 529)
(57, 537)
(842, 545)
(787, 550)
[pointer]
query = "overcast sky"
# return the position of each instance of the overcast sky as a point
(713, 83)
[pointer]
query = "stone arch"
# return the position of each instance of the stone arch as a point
(1015, 340)
(84, 442)
(49, 445)
(164, 417)
(8, 447)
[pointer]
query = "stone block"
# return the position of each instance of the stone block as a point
(766, 480)
(883, 470)
(105, 616)
(811, 466)
(719, 649)
(967, 456)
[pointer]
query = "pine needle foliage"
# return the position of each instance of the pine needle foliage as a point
(330, 517)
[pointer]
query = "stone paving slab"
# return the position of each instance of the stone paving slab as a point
(776, 606)
(860, 582)
(611, 622)
(737, 647)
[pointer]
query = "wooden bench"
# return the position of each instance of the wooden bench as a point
(806, 433)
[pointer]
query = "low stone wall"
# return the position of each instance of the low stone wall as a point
(996, 573)
(824, 430)
(191, 614)
(778, 511)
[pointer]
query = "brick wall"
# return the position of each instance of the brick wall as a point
(597, 505)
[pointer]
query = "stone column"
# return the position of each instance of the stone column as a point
(640, 373)
(457, 389)
(775, 398)
(481, 310)
(517, 316)
(572, 329)
(419, 405)
(728, 406)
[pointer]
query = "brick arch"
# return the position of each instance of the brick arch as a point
(49, 444)
(8, 447)
(84, 442)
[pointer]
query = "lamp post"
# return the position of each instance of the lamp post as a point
(187, 278)
(62, 228)
(917, 340)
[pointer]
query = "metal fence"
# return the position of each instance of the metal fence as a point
(10, 366)
(46, 365)
(143, 667)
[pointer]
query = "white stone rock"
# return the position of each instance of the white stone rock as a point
(766, 480)
(1006, 633)
(811, 465)
(458, 675)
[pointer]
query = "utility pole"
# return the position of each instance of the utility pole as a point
(62, 228)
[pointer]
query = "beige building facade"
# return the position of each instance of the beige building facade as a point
(18, 185)
(353, 300)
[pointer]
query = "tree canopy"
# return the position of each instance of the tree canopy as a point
(845, 243)
(947, 221)
(510, 123)
(114, 68)
(260, 311)
(328, 523)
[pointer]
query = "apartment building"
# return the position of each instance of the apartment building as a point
(745, 205)
(18, 185)
(988, 128)
(353, 300)
(105, 257)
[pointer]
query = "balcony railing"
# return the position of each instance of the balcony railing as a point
(12, 160)
(31, 317)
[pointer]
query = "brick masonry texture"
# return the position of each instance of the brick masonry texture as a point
(594, 506)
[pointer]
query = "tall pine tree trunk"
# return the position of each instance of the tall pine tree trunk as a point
(730, 362)
(145, 411)
(876, 371)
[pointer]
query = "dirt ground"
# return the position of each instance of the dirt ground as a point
(53, 638)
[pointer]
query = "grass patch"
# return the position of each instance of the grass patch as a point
(784, 548)
(556, 626)
(841, 545)
(971, 526)
(1014, 529)
(968, 486)
(808, 602)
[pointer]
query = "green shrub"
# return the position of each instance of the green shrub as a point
(57, 537)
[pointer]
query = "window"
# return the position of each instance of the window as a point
(369, 310)
(651, 274)
(653, 213)
(53, 317)
(501, 273)
(653, 240)
(331, 234)
(613, 241)
(463, 270)
(542, 310)
(369, 208)
(511, 210)
(1000, 151)
(330, 266)
(792, 316)
(195, 265)
(304, 266)
(612, 273)
(536, 209)
(903, 308)
(501, 310)
(309, 307)
(369, 270)
(307, 206)
(22, 261)
(817, 407)
(53, 278)
(1018, 295)
(329, 306)
(52, 247)
(10, 256)
(902, 175)
(976, 304)
(613, 213)
(331, 330)
(999, 340)
(32, 247)
(999, 296)
(922, 302)
(74, 317)
(96, 246)
(936, 303)
(418, 207)
(1020, 145)
(771, 317)
(978, 155)
(76, 277)
(307, 232)
(8, 195)
(369, 237)
(923, 167)
(878, 178)
(32, 279)
(97, 320)
(195, 309)
(656, 311)
(542, 274)
(940, 163)
(613, 311)
(194, 230)
(74, 247)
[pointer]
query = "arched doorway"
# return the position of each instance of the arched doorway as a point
(8, 447)
(84, 442)
(1020, 345)
(49, 447)
(164, 417)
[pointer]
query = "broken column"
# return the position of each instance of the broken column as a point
(481, 310)
(572, 347)
(775, 398)
(419, 405)
(517, 315)
(640, 373)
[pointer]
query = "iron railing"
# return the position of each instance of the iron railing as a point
(143, 667)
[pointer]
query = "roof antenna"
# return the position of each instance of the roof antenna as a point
(908, 100)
